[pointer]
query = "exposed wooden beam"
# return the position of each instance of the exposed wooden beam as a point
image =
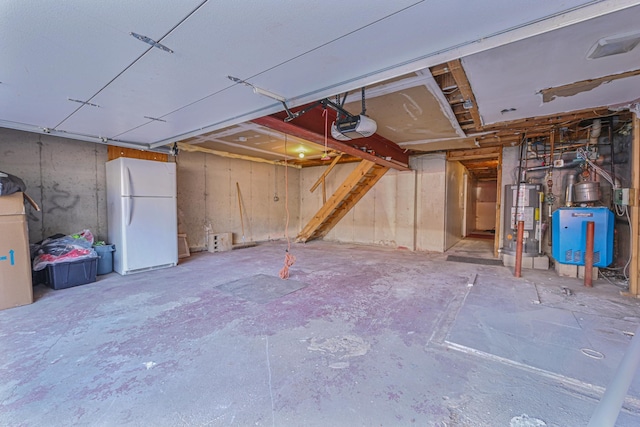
(307, 162)
(439, 70)
(465, 89)
(310, 126)
(551, 120)
(195, 148)
(475, 153)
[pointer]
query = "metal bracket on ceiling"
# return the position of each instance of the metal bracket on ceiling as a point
(343, 115)
(151, 42)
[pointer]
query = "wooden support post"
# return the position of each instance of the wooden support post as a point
(519, 241)
(497, 237)
(324, 191)
(588, 255)
(634, 273)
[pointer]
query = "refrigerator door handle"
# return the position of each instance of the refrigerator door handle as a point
(127, 182)
(128, 206)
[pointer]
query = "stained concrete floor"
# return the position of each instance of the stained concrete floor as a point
(367, 336)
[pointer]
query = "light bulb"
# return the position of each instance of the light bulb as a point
(301, 155)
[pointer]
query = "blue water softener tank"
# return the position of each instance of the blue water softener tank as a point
(569, 238)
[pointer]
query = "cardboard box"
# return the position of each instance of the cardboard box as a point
(15, 262)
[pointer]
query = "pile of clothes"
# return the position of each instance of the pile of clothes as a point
(61, 248)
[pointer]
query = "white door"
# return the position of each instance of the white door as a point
(150, 232)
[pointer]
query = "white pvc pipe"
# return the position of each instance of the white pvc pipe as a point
(607, 411)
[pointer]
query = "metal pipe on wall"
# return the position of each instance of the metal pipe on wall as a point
(519, 242)
(588, 255)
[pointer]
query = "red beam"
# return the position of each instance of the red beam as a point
(310, 126)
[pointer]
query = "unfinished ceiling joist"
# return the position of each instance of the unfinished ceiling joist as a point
(310, 127)
(469, 100)
(475, 154)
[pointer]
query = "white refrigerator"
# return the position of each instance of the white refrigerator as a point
(142, 214)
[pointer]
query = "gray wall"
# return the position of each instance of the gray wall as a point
(208, 197)
(67, 178)
(64, 176)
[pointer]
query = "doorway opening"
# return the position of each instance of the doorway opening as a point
(482, 195)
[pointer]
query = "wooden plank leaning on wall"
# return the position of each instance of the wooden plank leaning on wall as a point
(114, 152)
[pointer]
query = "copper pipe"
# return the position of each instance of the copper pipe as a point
(588, 255)
(519, 241)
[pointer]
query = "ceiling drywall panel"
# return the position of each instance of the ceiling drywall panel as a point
(193, 119)
(206, 49)
(407, 115)
(419, 32)
(52, 51)
(511, 76)
(426, 33)
(301, 50)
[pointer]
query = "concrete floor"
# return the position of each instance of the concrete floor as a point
(372, 337)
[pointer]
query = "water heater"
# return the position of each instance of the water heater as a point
(570, 231)
(528, 199)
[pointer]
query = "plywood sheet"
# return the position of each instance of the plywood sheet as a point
(411, 114)
(257, 141)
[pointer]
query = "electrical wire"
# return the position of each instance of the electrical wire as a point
(605, 277)
(582, 154)
(289, 259)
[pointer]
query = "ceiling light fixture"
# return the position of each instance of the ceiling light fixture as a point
(614, 45)
(301, 154)
(151, 42)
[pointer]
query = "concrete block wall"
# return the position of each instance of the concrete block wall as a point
(208, 197)
(65, 177)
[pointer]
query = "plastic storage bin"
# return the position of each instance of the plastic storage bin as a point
(105, 260)
(68, 274)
